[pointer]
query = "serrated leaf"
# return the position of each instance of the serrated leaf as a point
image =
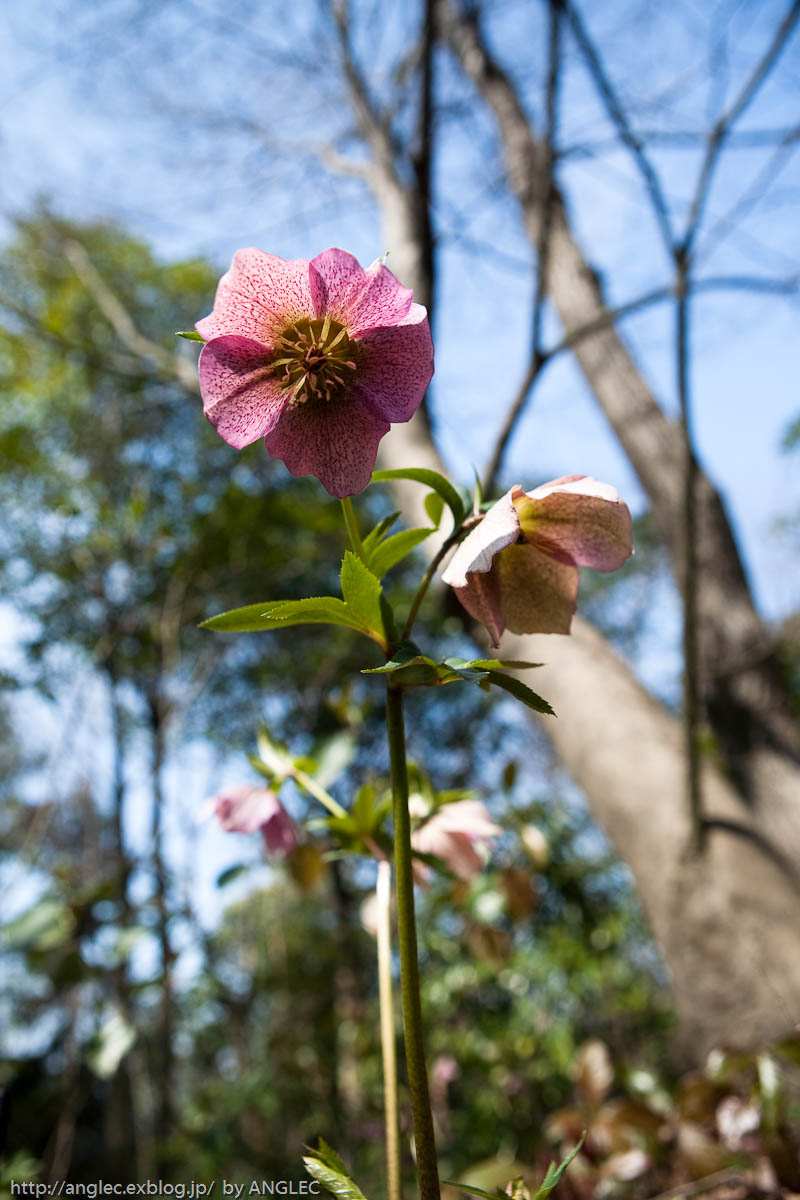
(280, 614)
(431, 479)
(434, 507)
(277, 614)
(553, 1173)
(333, 1181)
(520, 691)
(362, 596)
(327, 1155)
(191, 335)
(377, 534)
(395, 548)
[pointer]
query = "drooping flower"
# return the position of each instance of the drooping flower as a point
(459, 834)
(518, 569)
(246, 809)
(317, 357)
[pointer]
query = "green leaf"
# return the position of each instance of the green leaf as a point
(334, 1178)
(520, 690)
(553, 1173)
(496, 664)
(191, 335)
(332, 757)
(433, 480)
(327, 1155)
(230, 873)
(434, 507)
(377, 534)
(408, 666)
(474, 1191)
(278, 614)
(362, 595)
(478, 489)
(394, 548)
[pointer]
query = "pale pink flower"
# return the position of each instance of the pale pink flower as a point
(246, 809)
(518, 569)
(318, 358)
(460, 834)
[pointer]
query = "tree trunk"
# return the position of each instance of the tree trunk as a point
(727, 922)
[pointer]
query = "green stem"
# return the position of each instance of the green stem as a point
(352, 528)
(427, 1167)
(383, 896)
(318, 792)
(432, 569)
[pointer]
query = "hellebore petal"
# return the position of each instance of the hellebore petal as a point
(258, 296)
(460, 834)
(539, 593)
(246, 809)
(375, 300)
(321, 442)
(319, 357)
(518, 569)
(498, 529)
(579, 520)
(395, 363)
(340, 272)
(240, 398)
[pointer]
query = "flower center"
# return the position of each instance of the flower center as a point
(316, 360)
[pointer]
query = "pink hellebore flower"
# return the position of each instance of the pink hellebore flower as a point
(245, 809)
(518, 569)
(318, 358)
(459, 833)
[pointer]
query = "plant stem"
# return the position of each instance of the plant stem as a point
(427, 1168)
(383, 896)
(352, 528)
(318, 792)
(432, 569)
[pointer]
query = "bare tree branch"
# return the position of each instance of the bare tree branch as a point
(728, 119)
(122, 323)
(633, 141)
(537, 356)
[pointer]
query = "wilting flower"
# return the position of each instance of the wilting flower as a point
(459, 833)
(318, 358)
(518, 569)
(246, 809)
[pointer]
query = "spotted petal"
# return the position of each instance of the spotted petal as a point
(376, 299)
(395, 365)
(538, 592)
(240, 398)
(259, 296)
(336, 441)
(579, 520)
(335, 274)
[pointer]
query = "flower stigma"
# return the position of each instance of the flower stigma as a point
(318, 360)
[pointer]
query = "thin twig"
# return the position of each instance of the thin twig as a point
(632, 140)
(537, 356)
(727, 120)
(121, 321)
